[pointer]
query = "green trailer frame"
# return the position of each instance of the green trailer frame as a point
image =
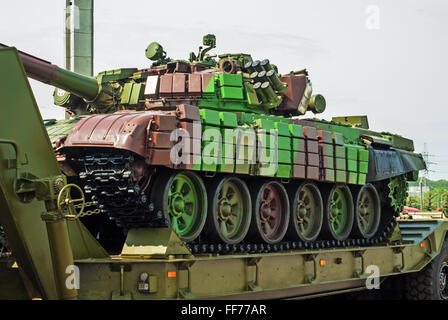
(291, 274)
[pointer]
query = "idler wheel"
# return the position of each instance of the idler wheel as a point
(183, 200)
(229, 210)
(307, 212)
(270, 212)
(339, 213)
(367, 212)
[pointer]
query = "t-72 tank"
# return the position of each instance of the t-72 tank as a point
(217, 147)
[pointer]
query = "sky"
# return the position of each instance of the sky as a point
(386, 59)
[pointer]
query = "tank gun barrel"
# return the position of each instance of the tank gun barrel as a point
(46, 72)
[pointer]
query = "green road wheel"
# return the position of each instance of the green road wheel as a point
(228, 211)
(270, 212)
(183, 201)
(367, 212)
(307, 212)
(339, 213)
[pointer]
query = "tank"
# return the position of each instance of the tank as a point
(220, 149)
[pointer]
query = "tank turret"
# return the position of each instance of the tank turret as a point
(227, 82)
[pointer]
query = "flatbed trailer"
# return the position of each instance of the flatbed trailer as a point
(55, 257)
(288, 274)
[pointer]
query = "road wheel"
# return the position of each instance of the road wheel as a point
(229, 210)
(307, 212)
(339, 212)
(367, 212)
(183, 200)
(270, 212)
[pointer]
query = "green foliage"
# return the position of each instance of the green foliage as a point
(431, 183)
(398, 187)
(445, 204)
(433, 199)
(439, 196)
(428, 198)
(413, 202)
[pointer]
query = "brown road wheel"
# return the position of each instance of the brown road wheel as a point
(270, 212)
(307, 212)
(229, 210)
(339, 212)
(367, 212)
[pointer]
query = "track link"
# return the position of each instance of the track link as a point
(203, 247)
(110, 183)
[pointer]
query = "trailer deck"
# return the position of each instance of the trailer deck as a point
(288, 274)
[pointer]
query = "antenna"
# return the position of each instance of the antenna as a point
(426, 156)
(425, 175)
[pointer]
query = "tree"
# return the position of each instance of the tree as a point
(445, 204)
(427, 202)
(413, 202)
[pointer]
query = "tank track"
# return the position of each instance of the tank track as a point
(109, 184)
(199, 247)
